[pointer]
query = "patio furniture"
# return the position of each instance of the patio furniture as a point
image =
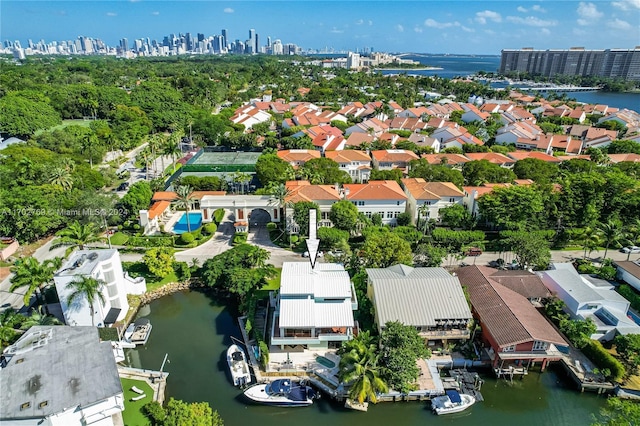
(136, 390)
(139, 397)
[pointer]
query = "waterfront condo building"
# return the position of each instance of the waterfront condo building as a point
(611, 63)
(102, 265)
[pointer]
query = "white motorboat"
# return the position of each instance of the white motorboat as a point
(238, 366)
(282, 393)
(138, 332)
(451, 402)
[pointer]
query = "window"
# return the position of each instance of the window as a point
(540, 346)
(109, 276)
(395, 214)
(452, 200)
(511, 348)
(426, 203)
(361, 203)
(368, 214)
(389, 215)
(397, 203)
(324, 215)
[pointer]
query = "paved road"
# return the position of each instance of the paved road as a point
(557, 256)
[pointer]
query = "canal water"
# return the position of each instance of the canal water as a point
(195, 331)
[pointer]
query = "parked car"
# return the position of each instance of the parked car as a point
(123, 186)
(473, 251)
(631, 249)
(306, 254)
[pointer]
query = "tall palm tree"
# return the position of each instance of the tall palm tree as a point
(359, 368)
(279, 198)
(155, 142)
(33, 275)
(184, 200)
(89, 145)
(172, 147)
(633, 234)
(590, 239)
(61, 176)
(611, 233)
(89, 288)
(38, 317)
(76, 235)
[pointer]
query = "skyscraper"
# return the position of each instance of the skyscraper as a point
(251, 45)
(225, 40)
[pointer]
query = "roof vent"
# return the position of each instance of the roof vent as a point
(19, 361)
(25, 405)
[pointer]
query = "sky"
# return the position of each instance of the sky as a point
(425, 26)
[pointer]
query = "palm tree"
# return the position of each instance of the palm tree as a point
(34, 275)
(89, 288)
(89, 144)
(10, 321)
(611, 233)
(633, 234)
(279, 198)
(359, 368)
(61, 176)
(38, 317)
(184, 200)
(172, 147)
(76, 235)
(590, 239)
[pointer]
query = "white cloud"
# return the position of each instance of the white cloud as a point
(482, 17)
(112, 14)
(400, 28)
(522, 9)
(360, 22)
(435, 24)
(467, 29)
(370, 23)
(627, 4)
(155, 13)
(335, 30)
(538, 8)
(588, 13)
(545, 31)
(417, 29)
(531, 21)
(228, 10)
(619, 24)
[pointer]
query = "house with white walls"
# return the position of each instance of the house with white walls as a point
(324, 196)
(356, 163)
(103, 265)
(389, 159)
(384, 197)
(425, 199)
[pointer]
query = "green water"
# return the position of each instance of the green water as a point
(195, 331)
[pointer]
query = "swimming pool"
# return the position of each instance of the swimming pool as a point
(195, 222)
(325, 361)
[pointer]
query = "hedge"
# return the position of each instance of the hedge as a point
(150, 242)
(187, 238)
(628, 293)
(218, 215)
(239, 238)
(209, 228)
(603, 359)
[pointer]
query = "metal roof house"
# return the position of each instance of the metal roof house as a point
(588, 297)
(429, 299)
(58, 375)
(314, 307)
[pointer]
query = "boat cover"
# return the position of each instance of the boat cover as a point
(454, 396)
(298, 393)
(236, 356)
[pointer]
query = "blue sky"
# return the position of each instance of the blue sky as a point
(479, 27)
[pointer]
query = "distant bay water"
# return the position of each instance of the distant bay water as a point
(451, 66)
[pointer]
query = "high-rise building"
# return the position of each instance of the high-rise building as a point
(611, 63)
(225, 40)
(124, 45)
(251, 43)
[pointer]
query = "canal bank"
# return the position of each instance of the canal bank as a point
(195, 330)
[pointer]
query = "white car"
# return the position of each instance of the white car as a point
(631, 249)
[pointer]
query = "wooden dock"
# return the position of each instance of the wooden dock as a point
(465, 382)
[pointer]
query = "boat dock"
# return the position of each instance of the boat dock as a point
(578, 367)
(464, 382)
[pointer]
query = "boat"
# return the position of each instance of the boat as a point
(238, 366)
(451, 402)
(138, 332)
(282, 393)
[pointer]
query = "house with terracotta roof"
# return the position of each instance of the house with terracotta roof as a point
(425, 199)
(596, 137)
(516, 114)
(518, 132)
(372, 126)
(325, 138)
(356, 163)
(453, 135)
(521, 155)
(354, 109)
(629, 118)
(473, 193)
(357, 139)
(151, 219)
(472, 113)
(452, 160)
(423, 140)
(407, 123)
(248, 115)
(384, 197)
(323, 195)
(618, 158)
(514, 332)
(297, 157)
(416, 112)
(389, 159)
(492, 157)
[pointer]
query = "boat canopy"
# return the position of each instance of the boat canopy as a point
(280, 386)
(237, 356)
(454, 396)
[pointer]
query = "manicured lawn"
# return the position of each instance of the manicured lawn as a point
(139, 269)
(119, 238)
(132, 414)
(273, 283)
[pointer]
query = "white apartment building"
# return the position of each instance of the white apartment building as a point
(103, 265)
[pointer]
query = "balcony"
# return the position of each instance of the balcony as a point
(453, 333)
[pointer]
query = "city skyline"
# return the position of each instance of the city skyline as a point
(404, 26)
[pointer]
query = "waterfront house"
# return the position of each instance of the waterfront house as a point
(384, 197)
(356, 163)
(429, 299)
(425, 199)
(585, 297)
(58, 375)
(102, 265)
(513, 331)
(314, 306)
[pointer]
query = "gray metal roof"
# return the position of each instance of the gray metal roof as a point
(417, 296)
(308, 313)
(83, 262)
(61, 366)
(326, 280)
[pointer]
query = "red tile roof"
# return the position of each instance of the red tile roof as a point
(375, 190)
(158, 208)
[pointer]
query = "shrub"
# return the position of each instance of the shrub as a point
(294, 239)
(628, 293)
(239, 238)
(403, 219)
(218, 215)
(209, 228)
(271, 226)
(264, 353)
(154, 411)
(607, 272)
(604, 360)
(182, 271)
(150, 242)
(187, 238)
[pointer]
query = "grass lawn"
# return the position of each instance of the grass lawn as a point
(132, 414)
(119, 238)
(273, 283)
(65, 123)
(139, 269)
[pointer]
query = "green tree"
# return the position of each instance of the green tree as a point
(33, 275)
(628, 346)
(21, 117)
(272, 169)
(578, 331)
(359, 369)
(301, 214)
(611, 234)
(435, 173)
(86, 287)
(76, 235)
(531, 249)
(476, 173)
(383, 249)
(38, 317)
(331, 238)
(513, 207)
(137, 198)
(619, 412)
(280, 195)
(539, 171)
(180, 413)
(457, 216)
(159, 261)
(344, 215)
(429, 256)
(401, 348)
(327, 170)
